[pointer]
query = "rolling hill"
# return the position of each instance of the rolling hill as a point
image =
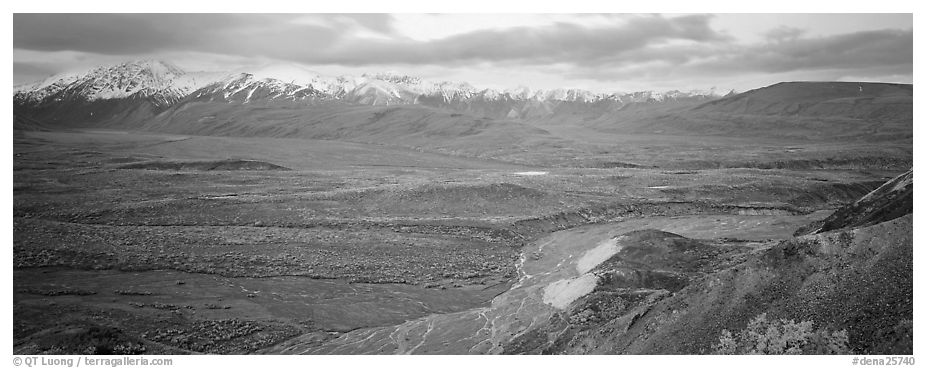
(858, 100)
(404, 125)
(801, 110)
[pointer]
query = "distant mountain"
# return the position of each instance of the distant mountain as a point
(161, 81)
(142, 89)
(806, 110)
(133, 90)
(157, 94)
(244, 88)
(828, 99)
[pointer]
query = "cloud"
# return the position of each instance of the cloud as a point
(859, 53)
(784, 33)
(126, 34)
(590, 47)
(325, 38)
(560, 42)
(382, 23)
(28, 72)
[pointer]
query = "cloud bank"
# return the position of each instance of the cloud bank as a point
(639, 49)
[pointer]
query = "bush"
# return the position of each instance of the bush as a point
(762, 336)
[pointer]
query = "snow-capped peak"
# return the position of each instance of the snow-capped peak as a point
(296, 75)
(520, 93)
(126, 79)
(394, 77)
(167, 83)
(39, 90)
(146, 78)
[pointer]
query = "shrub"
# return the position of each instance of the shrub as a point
(763, 336)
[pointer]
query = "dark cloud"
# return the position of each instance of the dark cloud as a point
(97, 33)
(284, 37)
(126, 34)
(868, 49)
(561, 42)
(860, 53)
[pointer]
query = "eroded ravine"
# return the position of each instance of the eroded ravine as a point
(557, 258)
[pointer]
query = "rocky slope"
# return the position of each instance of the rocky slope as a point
(891, 200)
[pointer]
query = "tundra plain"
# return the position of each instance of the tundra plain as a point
(547, 237)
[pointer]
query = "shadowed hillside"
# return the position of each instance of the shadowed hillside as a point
(405, 125)
(891, 200)
(22, 122)
(77, 113)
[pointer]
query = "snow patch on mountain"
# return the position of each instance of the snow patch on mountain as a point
(165, 83)
(300, 76)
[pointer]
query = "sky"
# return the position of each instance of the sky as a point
(598, 52)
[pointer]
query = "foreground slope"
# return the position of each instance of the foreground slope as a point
(857, 276)
(892, 200)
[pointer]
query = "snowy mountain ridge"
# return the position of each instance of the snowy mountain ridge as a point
(166, 83)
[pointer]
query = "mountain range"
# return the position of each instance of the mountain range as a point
(289, 101)
(148, 87)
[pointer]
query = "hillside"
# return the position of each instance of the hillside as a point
(891, 200)
(402, 125)
(24, 123)
(858, 100)
(832, 111)
(855, 276)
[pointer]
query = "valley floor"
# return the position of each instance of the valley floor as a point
(132, 242)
